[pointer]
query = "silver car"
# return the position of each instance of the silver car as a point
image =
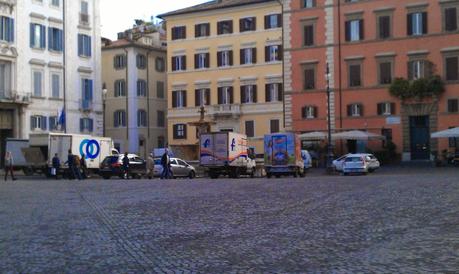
(180, 168)
(355, 164)
(373, 163)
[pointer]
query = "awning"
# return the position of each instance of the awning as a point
(449, 133)
(357, 135)
(316, 135)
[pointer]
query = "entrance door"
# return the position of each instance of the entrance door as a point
(420, 137)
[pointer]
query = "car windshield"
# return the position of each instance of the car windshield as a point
(353, 159)
(110, 160)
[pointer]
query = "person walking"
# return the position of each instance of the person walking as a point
(73, 166)
(165, 162)
(126, 166)
(56, 165)
(9, 165)
(84, 167)
(150, 166)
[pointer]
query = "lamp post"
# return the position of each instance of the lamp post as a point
(329, 145)
(104, 97)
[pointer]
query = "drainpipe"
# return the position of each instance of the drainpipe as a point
(283, 60)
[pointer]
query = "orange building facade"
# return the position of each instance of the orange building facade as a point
(367, 45)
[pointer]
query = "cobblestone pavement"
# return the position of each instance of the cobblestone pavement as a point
(403, 221)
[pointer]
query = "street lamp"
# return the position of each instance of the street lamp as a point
(104, 97)
(329, 146)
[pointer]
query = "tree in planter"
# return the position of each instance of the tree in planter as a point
(419, 89)
(400, 88)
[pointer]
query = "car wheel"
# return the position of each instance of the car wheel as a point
(106, 177)
(268, 175)
(345, 174)
(214, 175)
(192, 175)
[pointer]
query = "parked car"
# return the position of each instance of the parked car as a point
(355, 164)
(307, 159)
(112, 166)
(373, 162)
(179, 167)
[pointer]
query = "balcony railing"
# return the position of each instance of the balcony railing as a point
(84, 19)
(86, 105)
(227, 110)
(8, 2)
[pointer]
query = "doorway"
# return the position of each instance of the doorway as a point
(420, 137)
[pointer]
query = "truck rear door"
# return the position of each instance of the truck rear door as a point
(280, 155)
(59, 145)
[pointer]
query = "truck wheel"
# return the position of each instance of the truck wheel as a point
(268, 175)
(27, 171)
(237, 173)
(214, 175)
(106, 177)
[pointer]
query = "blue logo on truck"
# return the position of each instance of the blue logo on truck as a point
(206, 143)
(233, 144)
(90, 148)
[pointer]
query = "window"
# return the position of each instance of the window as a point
(37, 36)
(247, 24)
(201, 60)
(386, 132)
(418, 69)
(119, 61)
(385, 73)
(202, 30)
(355, 75)
(38, 122)
(53, 123)
(119, 118)
(160, 66)
(84, 13)
(202, 97)
(5, 79)
(160, 90)
(354, 30)
(179, 99)
(273, 53)
(308, 35)
(225, 95)
(453, 105)
(141, 118)
(225, 27)
(274, 92)
(386, 109)
(273, 21)
(141, 61)
(55, 85)
(274, 126)
(355, 110)
(178, 33)
(178, 63)
(37, 83)
(250, 128)
(84, 45)
(452, 68)
(417, 23)
(225, 58)
(309, 77)
(450, 19)
(180, 131)
(55, 39)
(86, 93)
(161, 118)
(248, 94)
(86, 125)
(141, 88)
(384, 27)
(120, 88)
(84, 7)
(307, 4)
(161, 141)
(56, 3)
(309, 112)
(248, 56)
(6, 29)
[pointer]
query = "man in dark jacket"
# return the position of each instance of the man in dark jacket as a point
(165, 164)
(126, 166)
(74, 170)
(56, 163)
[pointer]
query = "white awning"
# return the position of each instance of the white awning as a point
(316, 135)
(449, 133)
(357, 135)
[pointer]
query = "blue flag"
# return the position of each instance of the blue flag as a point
(62, 118)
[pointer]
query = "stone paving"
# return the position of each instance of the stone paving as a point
(402, 221)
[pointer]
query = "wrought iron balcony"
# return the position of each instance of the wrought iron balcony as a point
(86, 105)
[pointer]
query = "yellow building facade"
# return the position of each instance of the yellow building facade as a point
(228, 58)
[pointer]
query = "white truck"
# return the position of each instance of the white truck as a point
(43, 147)
(15, 146)
(226, 153)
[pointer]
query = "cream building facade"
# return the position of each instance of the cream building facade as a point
(226, 56)
(134, 79)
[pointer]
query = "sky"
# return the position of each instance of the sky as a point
(119, 15)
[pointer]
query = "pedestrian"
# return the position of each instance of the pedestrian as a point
(165, 162)
(56, 165)
(9, 161)
(150, 166)
(84, 167)
(73, 163)
(126, 166)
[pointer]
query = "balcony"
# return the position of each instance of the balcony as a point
(86, 105)
(84, 19)
(10, 3)
(227, 111)
(13, 97)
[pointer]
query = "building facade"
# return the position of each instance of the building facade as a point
(227, 57)
(134, 76)
(49, 65)
(367, 45)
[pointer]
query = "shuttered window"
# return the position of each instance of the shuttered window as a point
(450, 19)
(248, 56)
(202, 97)
(225, 95)
(417, 23)
(250, 128)
(55, 39)
(179, 63)
(160, 89)
(273, 21)
(141, 61)
(161, 118)
(37, 83)
(141, 88)
(201, 60)
(6, 29)
(355, 75)
(385, 73)
(452, 68)
(178, 33)
(120, 88)
(202, 30)
(248, 94)
(179, 99)
(225, 58)
(37, 36)
(274, 126)
(180, 131)
(309, 78)
(84, 45)
(309, 112)
(274, 92)
(355, 110)
(86, 125)
(225, 27)
(309, 35)
(354, 30)
(453, 105)
(247, 24)
(119, 61)
(386, 108)
(55, 85)
(384, 27)
(119, 118)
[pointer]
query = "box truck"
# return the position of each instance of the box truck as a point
(283, 155)
(15, 146)
(43, 147)
(226, 153)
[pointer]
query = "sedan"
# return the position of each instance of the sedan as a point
(113, 166)
(179, 167)
(355, 164)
